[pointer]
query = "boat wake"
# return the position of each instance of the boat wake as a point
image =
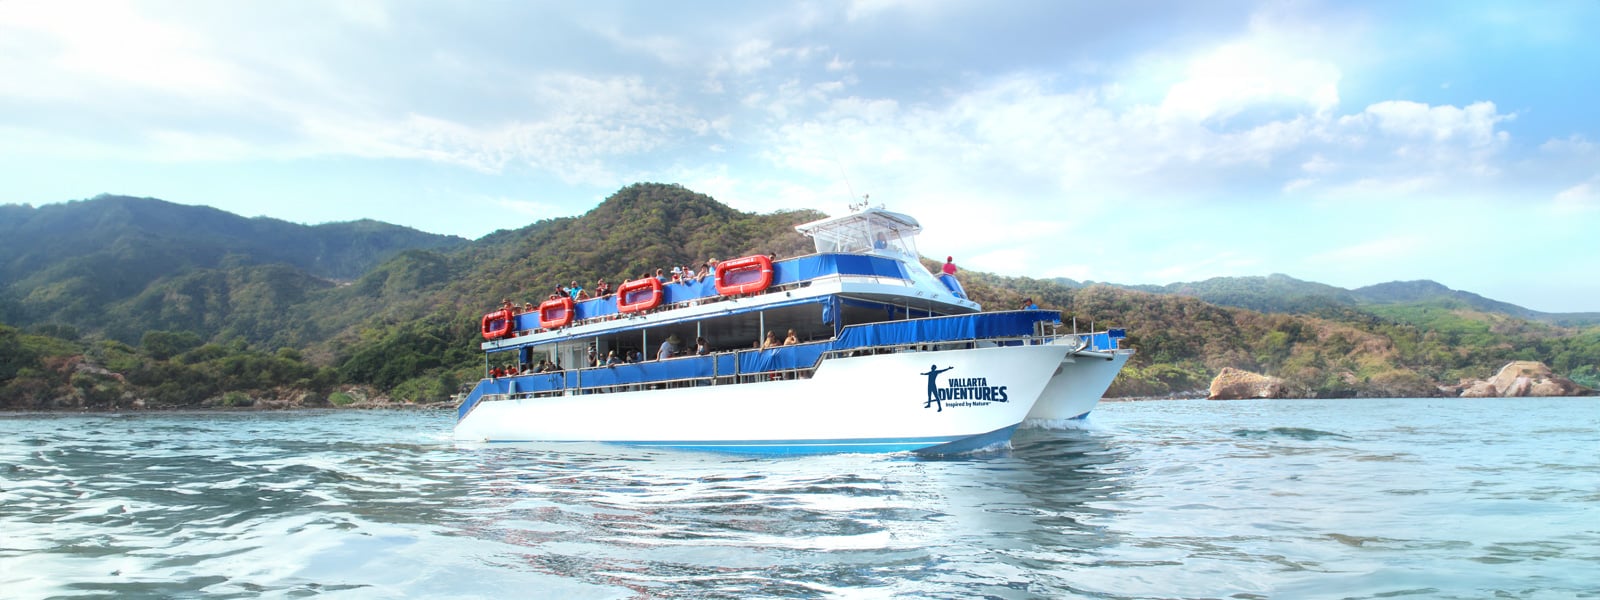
(1078, 424)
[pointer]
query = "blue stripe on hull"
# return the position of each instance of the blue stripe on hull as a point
(937, 445)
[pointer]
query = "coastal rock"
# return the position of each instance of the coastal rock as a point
(1236, 384)
(1524, 378)
(1479, 389)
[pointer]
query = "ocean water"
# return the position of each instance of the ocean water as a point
(1424, 498)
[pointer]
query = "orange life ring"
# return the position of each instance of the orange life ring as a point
(746, 275)
(498, 324)
(639, 295)
(555, 314)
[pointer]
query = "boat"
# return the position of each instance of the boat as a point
(886, 357)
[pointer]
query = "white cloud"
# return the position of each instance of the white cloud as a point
(1392, 249)
(750, 56)
(1202, 262)
(1580, 199)
(1239, 75)
(89, 47)
(536, 210)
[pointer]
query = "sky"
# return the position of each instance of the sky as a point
(1348, 143)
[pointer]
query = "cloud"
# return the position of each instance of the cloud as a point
(1236, 76)
(1580, 199)
(1398, 248)
(1202, 262)
(89, 47)
(536, 210)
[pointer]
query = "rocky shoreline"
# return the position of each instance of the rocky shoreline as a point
(1517, 379)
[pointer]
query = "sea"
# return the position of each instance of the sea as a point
(1365, 498)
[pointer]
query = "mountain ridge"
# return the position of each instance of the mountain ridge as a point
(1281, 293)
(231, 315)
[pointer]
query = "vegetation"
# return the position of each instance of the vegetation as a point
(118, 302)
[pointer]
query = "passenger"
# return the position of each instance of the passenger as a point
(1028, 304)
(594, 356)
(792, 339)
(772, 340)
(544, 366)
(661, 276)
(707, 268)
(668, 348)
(505, 304)
(601, 290)
(574, 291)
(527, 307)
(688, 273)
(636, 357)
(701, 348)
(949, 265)
(880, 243)
(611, 359)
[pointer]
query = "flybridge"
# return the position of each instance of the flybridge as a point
(787, 275)
(873, 230)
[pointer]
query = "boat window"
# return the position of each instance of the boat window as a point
(864, 236)
(895, 240)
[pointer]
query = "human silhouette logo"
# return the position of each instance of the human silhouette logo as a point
(961, 392)
(933, 387)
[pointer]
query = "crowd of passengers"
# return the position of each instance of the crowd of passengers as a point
(683, 274)
(671, 348)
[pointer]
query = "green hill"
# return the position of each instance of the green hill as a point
(69, 263)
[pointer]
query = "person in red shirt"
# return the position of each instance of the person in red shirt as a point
(949, 265)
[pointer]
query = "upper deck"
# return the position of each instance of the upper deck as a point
(881, 278)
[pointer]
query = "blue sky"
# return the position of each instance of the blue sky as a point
(1349, 143)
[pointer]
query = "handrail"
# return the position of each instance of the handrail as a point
(738, 376)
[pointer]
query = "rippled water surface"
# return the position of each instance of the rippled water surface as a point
(1179, 499)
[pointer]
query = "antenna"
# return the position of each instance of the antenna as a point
(857, 206)
(854, 206)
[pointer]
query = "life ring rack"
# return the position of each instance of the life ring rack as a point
(746, 275)
(639, 295)
(557, 313)
(498, 324)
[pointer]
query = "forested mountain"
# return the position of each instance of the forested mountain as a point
(72, 263)
(115, 299)
(1279, 293)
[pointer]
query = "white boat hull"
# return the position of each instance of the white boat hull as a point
(866, 403)
(1077, 387)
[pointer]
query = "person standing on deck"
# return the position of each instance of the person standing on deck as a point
(949, 265)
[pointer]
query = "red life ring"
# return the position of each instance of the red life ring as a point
(639, 295)
(555, 314)
(498, 324)
(746, 275)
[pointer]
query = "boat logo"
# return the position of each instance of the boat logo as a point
(958, 392)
